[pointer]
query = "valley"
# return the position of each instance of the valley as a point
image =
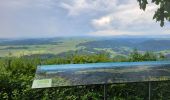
(63, 46)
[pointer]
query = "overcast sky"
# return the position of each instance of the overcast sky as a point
(51, 18)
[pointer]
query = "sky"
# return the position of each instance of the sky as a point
(53, 18)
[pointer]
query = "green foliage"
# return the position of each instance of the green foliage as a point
(147, 56)
(17, 75)
(162, 13)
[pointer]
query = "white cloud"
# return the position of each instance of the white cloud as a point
(76, 7)
(125, 15)
(102, 22)
(126, 18)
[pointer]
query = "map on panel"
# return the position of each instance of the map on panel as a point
(100, 73)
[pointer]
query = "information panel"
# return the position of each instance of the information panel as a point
(100, 73)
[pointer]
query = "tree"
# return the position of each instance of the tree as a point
(162, 13)
(135, 55)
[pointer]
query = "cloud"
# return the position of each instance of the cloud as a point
(125, 15)
(111, 13)
(77, 7)
(112, 32)
(166, 31)
(102, 22)
(117, 32)
(127, 18)
(31, 18)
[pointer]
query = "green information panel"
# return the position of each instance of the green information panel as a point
(100, 73)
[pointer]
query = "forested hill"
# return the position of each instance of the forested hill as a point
(144, 44)
(39, 41)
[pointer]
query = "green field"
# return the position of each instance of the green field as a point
(64, 46)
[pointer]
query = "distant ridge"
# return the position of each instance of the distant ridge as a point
(89, 36)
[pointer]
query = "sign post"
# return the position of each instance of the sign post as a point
(149, 90)
(105, 92)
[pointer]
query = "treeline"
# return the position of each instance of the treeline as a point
(146, 56)
(17, 74)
